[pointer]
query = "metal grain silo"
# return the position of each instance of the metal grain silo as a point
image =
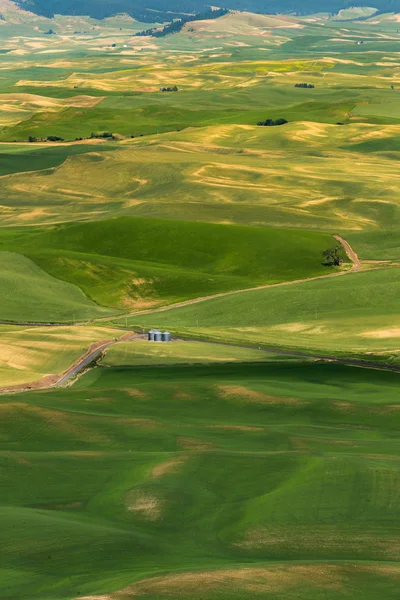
(157, 336)
(166, 336)
(150, 335)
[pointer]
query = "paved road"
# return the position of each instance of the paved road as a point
(82, 364)
(352, 362)
(88, 358)
(53, 381)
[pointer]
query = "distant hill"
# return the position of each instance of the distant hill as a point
(165, 10)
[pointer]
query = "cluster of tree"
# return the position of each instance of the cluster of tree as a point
(176, 25)
(271, 122)
(304, 85)
(107, 135)
(50, 32)
(332, 256)
(169, 89)
(50, 138)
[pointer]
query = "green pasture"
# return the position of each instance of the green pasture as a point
(376, 245)
(139, 263)
(27, 293)
(142, 352)
(201, 481)
(353, 313)
(195, 470)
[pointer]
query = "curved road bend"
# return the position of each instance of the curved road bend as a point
(353, 256)
(61, 379)
(79, 365)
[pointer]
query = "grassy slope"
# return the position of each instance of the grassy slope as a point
(27, 293)
(29, 353)
(355, 312)
(243, 474)
(376, 245)
(134, 263)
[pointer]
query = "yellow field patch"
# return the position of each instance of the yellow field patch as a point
(144, 505)
(238, 391)
(390, 332)
(166, 467)
(264, 580)
(29, 353)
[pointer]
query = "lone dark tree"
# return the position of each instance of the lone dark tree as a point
(332, 257)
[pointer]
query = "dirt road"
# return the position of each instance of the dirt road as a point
(353, 256)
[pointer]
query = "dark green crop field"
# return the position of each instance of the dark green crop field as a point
(256, 480)
(137, 263)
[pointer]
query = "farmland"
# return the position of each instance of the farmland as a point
(29, 353)
(201, 480)
(134, 263)
(247, 458)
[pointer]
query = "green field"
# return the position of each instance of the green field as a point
(135, 353)
(27, 293)
(215, 467)
(249, 480)
(354, 313)
(135, 263)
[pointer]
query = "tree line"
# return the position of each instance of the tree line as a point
(106, 135)
(178, 24)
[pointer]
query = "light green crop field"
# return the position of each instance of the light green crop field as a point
(354, 313)
(142, 352)
(245, 480)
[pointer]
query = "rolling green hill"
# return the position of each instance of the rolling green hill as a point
(261, 480)
(139, 263)
(27, 293)
(197, 470)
